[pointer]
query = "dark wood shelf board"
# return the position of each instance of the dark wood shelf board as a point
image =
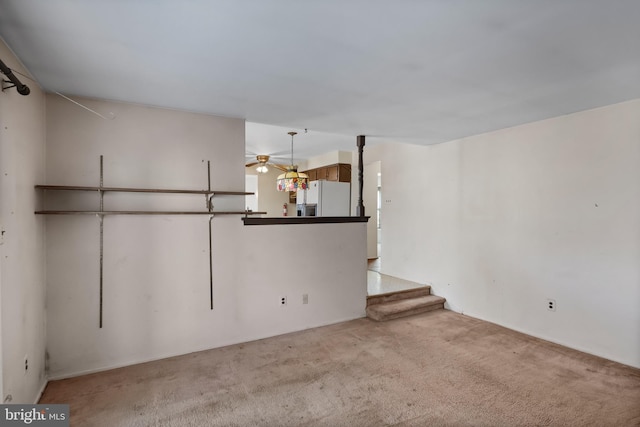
(304, 220)
(140, 190)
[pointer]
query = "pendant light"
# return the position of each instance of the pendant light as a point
(291, 180)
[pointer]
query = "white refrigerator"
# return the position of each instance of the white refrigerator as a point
(330, 197)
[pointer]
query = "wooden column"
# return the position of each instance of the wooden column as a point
(360, 207)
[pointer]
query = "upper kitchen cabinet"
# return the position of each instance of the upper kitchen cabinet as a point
(339, 172)
(313, 174)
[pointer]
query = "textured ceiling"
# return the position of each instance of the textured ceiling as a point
(422, 72)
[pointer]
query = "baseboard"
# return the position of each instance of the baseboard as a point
(39, 395)
(552, 340)
(66, 375)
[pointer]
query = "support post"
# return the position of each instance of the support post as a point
(360, 207)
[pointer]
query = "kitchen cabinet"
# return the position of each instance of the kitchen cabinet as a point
(338, 172)
(344, 172)
(313, 174)
(321, 173)
(332, 173)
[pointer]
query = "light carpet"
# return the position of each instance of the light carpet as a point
(435, 369)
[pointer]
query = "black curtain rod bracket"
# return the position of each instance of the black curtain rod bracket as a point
(21, 88)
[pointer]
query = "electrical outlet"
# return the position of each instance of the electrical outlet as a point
(305, 298)
(551, 304)
(26, 364)
(283, 300)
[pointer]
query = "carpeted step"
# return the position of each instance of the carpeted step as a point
(398, 295)
(404, 307)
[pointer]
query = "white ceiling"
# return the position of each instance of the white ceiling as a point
(415, 71)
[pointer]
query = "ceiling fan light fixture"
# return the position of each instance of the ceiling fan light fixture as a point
(262, 168)
(292, 180)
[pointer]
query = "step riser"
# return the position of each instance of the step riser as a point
(418, 310)
(412, 293)
(404, 303)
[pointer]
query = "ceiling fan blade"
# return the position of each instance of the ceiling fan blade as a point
(281, 160)
(283, 168)
(248, 165)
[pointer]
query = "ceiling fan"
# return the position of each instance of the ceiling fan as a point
(262, 162)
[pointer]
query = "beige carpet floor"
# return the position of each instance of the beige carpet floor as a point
(435, 369)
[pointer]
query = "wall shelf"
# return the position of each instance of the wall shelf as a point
(143, 190)
(149, 213)
(101, 213)
(140, 190)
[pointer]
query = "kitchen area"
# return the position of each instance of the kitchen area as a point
(328, 192)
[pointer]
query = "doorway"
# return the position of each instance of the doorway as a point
(372, 197)
(378, 214)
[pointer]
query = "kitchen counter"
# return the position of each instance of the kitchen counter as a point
(285, 220)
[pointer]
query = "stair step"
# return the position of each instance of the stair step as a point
(404, 307)
(398, 295)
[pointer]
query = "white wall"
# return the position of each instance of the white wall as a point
(156, 269)
(22, 284)
(251, 186)
(330, 158)
(270, 200)
(500, 222)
